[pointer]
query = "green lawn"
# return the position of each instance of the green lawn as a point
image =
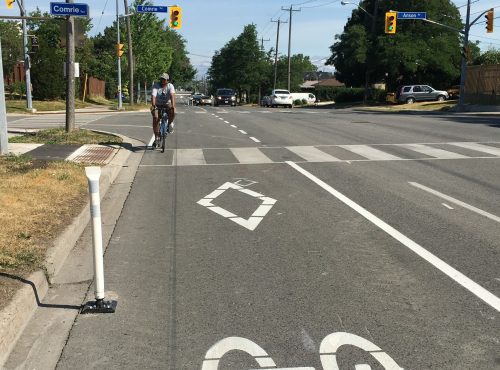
(19, 106)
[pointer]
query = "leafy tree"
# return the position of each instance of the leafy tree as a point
(419, 52)
(491, 56)
(12, 45)
(299, 65)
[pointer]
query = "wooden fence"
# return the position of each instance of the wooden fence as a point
(95, 88)
(482, 86)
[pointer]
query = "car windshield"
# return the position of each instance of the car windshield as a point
(282, 92)
(225, 92)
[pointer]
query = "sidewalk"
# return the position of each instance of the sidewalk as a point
(34, 314)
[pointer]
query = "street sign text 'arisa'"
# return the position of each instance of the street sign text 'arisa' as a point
(412, 15)
(63, 9)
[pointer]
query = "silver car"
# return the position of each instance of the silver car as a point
(411, 93)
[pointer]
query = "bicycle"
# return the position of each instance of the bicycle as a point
(164, 127)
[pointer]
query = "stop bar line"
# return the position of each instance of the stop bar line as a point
(451, 272)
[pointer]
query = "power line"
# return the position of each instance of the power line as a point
(320, 5)
(102, 13)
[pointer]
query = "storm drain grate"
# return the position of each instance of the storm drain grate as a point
(98, 154)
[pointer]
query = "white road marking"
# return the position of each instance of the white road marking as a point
(254, 220)
(312, 154)
(447, 206)
(254, 139)
(435, 261)
(222, 119)
(456, 201)
(369, 152)
(226, 122)
(234, 126)
(150, 143)
(189, 157)
(250, 155)
(479, 148)
(243, 132)
(433, 152)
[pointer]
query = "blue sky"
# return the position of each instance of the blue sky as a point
(209, 25)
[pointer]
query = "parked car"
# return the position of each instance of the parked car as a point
(454, 92)
(265, 101)
(281, 97)
(411, 93)
(195, 98)
(308, 97)
(225, 96)
(206, 100)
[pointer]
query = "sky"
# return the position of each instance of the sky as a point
(207, 25)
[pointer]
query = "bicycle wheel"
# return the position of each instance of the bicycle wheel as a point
(163, 140)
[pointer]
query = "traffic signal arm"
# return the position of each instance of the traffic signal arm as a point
(390, 22)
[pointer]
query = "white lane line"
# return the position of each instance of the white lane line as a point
(456, 201)
(435, 261)
(433, 152)
(189, 157)
(234, 126)
(250, 155)
(226, 122)
(243, 132)
(222, 119)
(447, 206)
(150, 143)
(254, 139)
(479, 148)
(312, 154)
(369, 152)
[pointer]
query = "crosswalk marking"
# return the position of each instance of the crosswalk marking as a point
(479, 148)
(312, 154)
(433, 152)
(369, 152)
(256, 155)
(250, 155)
(186, 157)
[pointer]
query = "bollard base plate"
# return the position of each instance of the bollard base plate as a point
(99, 306)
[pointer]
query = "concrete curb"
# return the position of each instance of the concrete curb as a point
(15, 317)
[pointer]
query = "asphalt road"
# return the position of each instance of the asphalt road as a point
(303, 239)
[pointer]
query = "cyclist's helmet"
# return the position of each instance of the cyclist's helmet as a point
(164, 76)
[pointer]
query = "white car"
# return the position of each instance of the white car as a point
(281, 97)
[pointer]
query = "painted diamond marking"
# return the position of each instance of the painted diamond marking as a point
(254, 220)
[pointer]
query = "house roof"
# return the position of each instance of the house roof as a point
(329, 82)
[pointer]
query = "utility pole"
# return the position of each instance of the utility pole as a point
(463, 74)
(70, 72)
(262, 43)
(119, 58)
(130, 56)
(276, 54)
(291, 10)
(27, 61)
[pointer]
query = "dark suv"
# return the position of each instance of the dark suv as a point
(225, 96)
(411, 93)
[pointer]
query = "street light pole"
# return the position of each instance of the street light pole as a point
(119, 58)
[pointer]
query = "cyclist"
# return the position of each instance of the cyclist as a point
(162, 96)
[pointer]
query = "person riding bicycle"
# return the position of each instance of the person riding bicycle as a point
(162, 96)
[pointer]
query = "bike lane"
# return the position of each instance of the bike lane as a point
(206, 260)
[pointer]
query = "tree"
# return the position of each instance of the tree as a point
(419, 52)
(12, 45)
(491, 56)
(299, 65)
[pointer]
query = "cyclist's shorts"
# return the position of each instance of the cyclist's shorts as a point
(170, 113)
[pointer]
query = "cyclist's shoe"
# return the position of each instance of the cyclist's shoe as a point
(171, 128)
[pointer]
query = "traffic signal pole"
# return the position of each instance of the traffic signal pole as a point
(70, 72)
(463, 72)
(120, 103)
(27, 61)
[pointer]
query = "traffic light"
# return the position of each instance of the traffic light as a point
(119, 50)
(175, 17)
(34, 44)
(489, 21)
(10, 3)
(390, 22)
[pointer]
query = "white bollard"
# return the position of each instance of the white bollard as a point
(99, 306)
